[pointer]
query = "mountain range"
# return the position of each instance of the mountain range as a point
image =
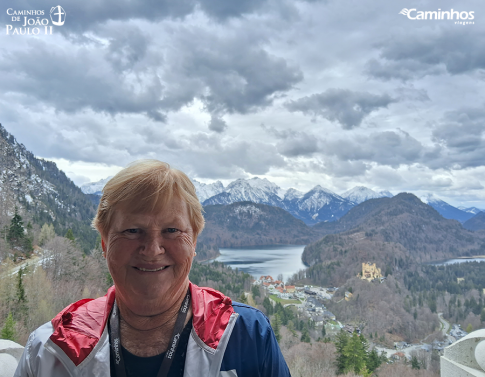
(317, 205)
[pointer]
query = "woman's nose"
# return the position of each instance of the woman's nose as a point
(153, 245)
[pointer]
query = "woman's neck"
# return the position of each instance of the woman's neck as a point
(149, 335)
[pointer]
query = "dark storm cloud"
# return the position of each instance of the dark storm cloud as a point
(462, 134)
(228, 73)
(217, 124)
(74, 80)
(412, 55)
(222, 9)
(127, 48)
(347, 107)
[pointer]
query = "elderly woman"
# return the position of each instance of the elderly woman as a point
(153, 322)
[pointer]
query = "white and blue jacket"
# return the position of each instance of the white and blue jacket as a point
(228, 339)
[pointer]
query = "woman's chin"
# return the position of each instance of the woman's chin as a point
(148, 301)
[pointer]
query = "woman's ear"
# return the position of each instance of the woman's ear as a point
(103, 246)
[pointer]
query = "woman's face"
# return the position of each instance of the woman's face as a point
(149, 256)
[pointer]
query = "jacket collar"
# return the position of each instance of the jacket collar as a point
(78, 327)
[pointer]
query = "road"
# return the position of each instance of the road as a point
(446, 325)
(416, 347)
(35, 260)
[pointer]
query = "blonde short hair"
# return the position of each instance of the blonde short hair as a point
(147, 185)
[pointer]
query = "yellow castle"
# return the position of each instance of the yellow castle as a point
(370, 271)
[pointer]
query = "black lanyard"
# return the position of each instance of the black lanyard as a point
(115, 341)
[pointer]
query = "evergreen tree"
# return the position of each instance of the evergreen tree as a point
(355, 355)
(8, 330)
(415, 363)
(21, 305)
(469, 328)
(70, 235)
(255, 291)
(20, 286)
(305, 336)
(267, 305)
(291, 327)
(324, 332)
(243, 298)
(482, 316)
(373, 360)
(15, 234)
(340, 343)
(276, 325)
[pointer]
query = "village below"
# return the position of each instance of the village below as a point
(309, 301)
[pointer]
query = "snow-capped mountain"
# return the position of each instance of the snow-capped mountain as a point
(473, 210)
(207, 190)
(360, 194)
(446, 210)
(255, 190)
(319, 204)
(95, 187)
(385, 194)
(292, 194)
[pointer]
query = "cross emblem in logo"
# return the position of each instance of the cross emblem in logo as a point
(58, 18)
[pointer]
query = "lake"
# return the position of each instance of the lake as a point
(457, 260)
(264, 260)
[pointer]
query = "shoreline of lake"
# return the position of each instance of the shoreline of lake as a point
(446, 262)
(264, 260)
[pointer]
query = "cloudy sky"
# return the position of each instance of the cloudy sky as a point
(303, 92)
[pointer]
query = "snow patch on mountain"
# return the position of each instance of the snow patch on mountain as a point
(292, 194)
(255, 190)
(360, 194)
(95, 187)
(207, 190)
(317, 198)
(473, 210)
(431, 199)
(253, 210)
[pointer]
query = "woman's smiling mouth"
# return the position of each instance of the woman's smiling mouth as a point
(150, 270)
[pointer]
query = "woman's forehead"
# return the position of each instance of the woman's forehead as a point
(175, 210)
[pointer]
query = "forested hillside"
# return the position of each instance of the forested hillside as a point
(396, 233)
(399, 234)
(477, 222)
(251, 224)
(42, 193)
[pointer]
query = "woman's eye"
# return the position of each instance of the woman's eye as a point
(172, 230)
(131, 231)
